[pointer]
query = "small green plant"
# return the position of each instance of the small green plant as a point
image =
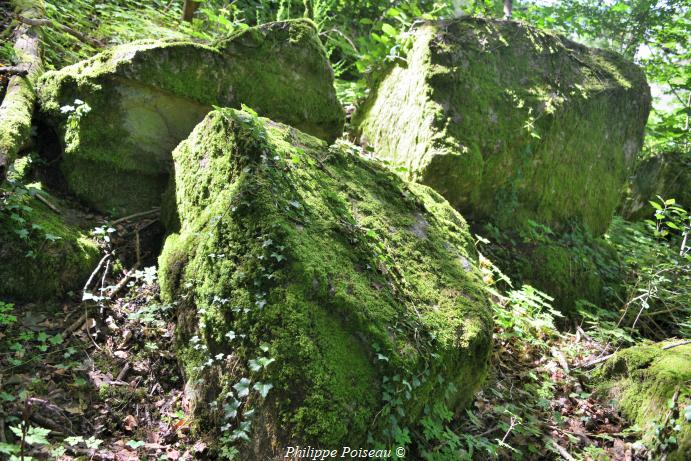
(7, 317)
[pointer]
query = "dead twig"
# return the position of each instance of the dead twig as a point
(75, 326)
(592, 363)
(562, 451)
(123, 373)
(136, 215)
(95, 272)
(121, 284)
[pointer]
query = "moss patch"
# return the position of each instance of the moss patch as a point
(122, 112)
(642, 380)
(569, 267)
(511, 123)
(42, 254)
(357, 282)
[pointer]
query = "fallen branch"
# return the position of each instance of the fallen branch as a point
(47, 22)
(14, 71)
(47, 203)
(592, 363)
(93, 274)
(136, 215)
(681, 343)
(18, 104)
(75, 326)
(562, 451)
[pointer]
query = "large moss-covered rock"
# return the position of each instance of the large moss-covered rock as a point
(511, 123)
(362, 288)
(121, 113)
(570, 267)
(643, 380)
(43, 254)
(667, 174)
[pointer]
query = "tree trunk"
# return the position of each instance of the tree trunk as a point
(508, 9)
(18, 104)
(188, 9)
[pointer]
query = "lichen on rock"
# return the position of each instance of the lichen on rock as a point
(511, 123)
(359, 285)
(643, 380)
(121, 113)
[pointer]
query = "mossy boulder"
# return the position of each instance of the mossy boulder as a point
(511, 123)
(43, 254)
(667, 174)
(643, 381)
(361, 287)
(564, 273)
(120, 114)
(570, 267)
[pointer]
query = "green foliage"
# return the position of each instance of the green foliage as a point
(655, 33)
(8, 55)
(657, 265)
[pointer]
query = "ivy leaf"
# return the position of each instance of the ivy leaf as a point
(254, 365)
(135, 444)
(263, 388)
(242, 387)
(230, 409)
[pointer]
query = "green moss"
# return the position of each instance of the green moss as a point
(642, 380)
(142, 99)
(17, 106)
(564, 274)
(52, 258)
(570, 267)
(510, 123)
(331, 260)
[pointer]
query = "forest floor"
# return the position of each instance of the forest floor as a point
(102, 381)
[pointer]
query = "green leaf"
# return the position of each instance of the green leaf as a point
(263, 388)
(230, 409)
(37, 436)
(389, 30)
(655, 205)
(242, 387)
(72, 441)
(135, 444)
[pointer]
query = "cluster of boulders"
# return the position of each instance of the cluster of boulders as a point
(322, 298)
